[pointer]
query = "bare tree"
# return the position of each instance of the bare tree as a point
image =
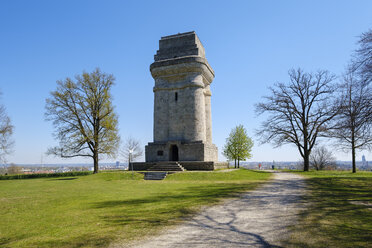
(352, 126)
(14, 169)
(321, 158)
(6, 131)
(84, 118)
(298, 111)
(362, 60)
(131, 150)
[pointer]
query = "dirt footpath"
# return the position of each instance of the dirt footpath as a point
(257, 219)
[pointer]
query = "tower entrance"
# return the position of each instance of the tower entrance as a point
(173, 153)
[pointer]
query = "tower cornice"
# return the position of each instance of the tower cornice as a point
(188, 64)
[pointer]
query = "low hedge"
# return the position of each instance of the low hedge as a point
(39, 175)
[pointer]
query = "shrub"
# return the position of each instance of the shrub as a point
(40, 175)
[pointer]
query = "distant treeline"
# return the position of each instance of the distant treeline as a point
(40, 175)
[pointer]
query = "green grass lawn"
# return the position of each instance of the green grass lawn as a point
(94, 210)
(339, 213)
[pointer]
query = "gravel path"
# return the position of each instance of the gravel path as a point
(257, 219)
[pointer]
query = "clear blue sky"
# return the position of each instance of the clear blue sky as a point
(249, 44)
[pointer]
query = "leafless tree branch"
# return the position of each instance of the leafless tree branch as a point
(298, 111)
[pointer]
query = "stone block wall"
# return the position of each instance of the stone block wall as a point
(179, 45)
(187, 151)
(188, 165)
(182, 101)
(140, 166)
(179, 113)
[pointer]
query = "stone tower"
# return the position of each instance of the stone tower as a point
(182, 103)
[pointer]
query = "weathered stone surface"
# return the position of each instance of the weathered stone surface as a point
(188, 165)
(182, 104)
(179, 45)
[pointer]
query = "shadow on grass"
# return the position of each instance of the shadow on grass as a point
(260, 171)
(66, 179)
(80, 241)
(209, 193)
(7, 241)
(332, 219)
(166, 209)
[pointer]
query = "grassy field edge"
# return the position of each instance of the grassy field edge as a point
(339, 212)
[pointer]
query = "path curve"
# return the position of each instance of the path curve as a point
(257, 219)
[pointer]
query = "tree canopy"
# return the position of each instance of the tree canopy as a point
(362, 59)
(83, 116)
(298, 111)
(131, 149)
(238, 145)
(352, 126)
(6, 131)
(321, 158)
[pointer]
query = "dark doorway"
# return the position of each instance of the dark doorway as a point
(173, 153)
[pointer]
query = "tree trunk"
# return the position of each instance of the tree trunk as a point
(306, 152)
(238, 162)
(306, 160)
(353, 159)
(353, 152)
(96, 144)
(235, 163)
(95, 160)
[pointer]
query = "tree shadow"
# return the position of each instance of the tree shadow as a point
(207, 194)
(211, 230)
(65, 179)
(331, 216)
(7, 241)
(78, 241)
(226, 234)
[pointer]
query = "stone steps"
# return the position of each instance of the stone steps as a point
(166, 166)
(155, 175)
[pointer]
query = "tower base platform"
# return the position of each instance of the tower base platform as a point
(180, 151)
(188, 165)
